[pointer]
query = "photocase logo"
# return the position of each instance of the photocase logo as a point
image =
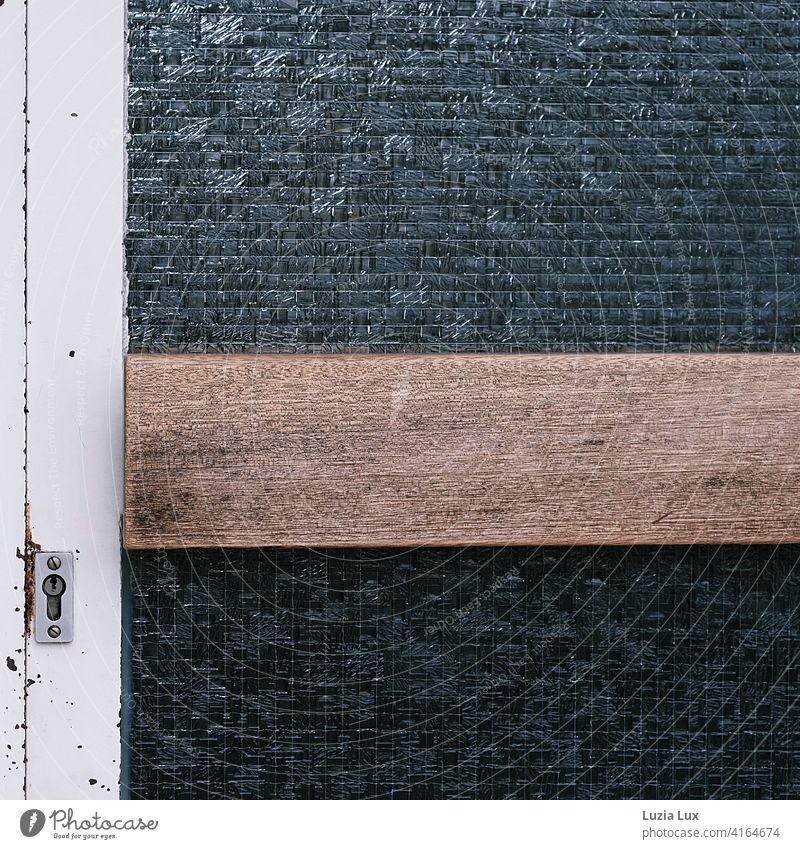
(63, 820)
(31, 822)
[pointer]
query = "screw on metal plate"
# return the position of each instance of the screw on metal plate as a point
(54, 597)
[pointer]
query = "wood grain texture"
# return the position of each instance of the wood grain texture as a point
(399, 450)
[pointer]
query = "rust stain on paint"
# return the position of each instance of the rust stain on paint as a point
(29, 557)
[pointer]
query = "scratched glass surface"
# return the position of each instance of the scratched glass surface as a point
(465, 176)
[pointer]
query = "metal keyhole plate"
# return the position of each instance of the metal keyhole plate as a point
(54, 587)
(54, 601)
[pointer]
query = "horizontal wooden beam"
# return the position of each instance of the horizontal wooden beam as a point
(401, 450)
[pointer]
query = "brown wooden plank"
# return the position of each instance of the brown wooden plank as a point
(385, 450)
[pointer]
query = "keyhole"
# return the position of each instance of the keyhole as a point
(53, 588)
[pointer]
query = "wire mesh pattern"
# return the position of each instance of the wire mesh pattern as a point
(613, 673)
(463, 175)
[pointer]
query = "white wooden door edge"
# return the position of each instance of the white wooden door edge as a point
(76, 166)
(12, 398)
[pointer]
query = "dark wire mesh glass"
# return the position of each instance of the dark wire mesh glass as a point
(464, 175)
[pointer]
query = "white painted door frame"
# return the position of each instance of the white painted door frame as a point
(12, 397)
(73, 311)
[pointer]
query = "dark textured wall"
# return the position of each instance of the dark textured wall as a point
(463, 175)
